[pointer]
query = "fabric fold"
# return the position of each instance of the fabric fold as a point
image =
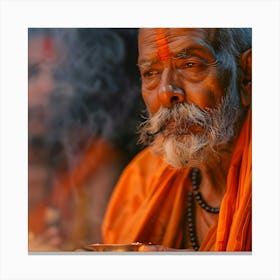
(149, 203)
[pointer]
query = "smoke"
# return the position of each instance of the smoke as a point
(97, 89)
(83, 88)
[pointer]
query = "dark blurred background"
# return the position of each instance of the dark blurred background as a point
(84, 104)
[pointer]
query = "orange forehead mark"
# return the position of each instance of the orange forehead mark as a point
(162, 44)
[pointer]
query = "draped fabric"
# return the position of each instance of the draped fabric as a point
(149, 203)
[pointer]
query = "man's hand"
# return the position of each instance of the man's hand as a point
(160, 248)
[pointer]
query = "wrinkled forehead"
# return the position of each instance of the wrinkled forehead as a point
(169, 41)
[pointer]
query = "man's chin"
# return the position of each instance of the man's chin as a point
(178, 151)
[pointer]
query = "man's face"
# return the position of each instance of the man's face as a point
(185, 92)
(182, 58)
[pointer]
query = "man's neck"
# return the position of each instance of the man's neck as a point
(214, 169)
(214, 172)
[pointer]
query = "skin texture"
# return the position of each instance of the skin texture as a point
(180, 66)
(195, 74)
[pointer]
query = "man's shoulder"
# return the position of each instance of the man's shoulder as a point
(142, 175)
(146, 157)
(145, 165)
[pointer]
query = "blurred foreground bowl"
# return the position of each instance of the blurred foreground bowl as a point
(132, 247)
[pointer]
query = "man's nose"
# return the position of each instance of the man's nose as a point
(169, 93)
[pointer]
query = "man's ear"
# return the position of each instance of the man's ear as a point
(245, 63)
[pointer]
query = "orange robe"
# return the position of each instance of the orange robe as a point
(149, 203)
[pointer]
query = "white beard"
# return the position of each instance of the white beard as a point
(181, 147)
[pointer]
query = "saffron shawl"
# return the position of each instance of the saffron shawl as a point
(149, 203)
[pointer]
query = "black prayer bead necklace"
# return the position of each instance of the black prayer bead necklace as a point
(195, 194)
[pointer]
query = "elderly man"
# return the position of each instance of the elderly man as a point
(191, 189)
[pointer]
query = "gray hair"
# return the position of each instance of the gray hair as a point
(228, 45)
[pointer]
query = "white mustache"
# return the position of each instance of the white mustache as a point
(183, 115)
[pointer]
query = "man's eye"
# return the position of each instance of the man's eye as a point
(193, 66)
(190, 64)
(150, 73)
